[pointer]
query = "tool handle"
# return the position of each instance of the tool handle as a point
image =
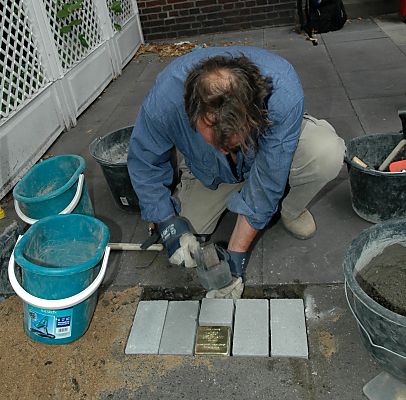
(134, 246)
(402, 116)
(392, 155)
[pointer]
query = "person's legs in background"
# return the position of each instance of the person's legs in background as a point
(318, 160)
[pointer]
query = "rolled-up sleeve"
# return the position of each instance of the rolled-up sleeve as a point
(265, 184)
(150, 168)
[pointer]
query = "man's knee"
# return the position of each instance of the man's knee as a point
(329, 151)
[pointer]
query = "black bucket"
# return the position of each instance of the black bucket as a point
(383, 331)
(376, 196)
(111, 152)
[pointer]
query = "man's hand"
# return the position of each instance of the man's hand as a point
(232, 291)
(179, 241)
(235, 259)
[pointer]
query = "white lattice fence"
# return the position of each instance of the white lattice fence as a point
(22, 73)
(76, 33)
(120, 12)
(56, 57)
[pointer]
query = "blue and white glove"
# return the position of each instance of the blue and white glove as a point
(236, 260)
(179, 241)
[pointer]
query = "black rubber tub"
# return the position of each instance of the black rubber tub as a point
(376, 196)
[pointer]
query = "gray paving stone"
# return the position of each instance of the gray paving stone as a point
(380, 115)
(347, 127)
(251, 328)
(288, 328)
(354, 31)
(316, 260)
(377, 83)
(146, 332)
(333, 104)
(178, 336)
(218, 312)
(152, 70)
(366, 55)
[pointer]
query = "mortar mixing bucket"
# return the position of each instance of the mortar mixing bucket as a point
(383, 332)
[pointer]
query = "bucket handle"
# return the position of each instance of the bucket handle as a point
(365, 331)
(61, 303)
(70, 207)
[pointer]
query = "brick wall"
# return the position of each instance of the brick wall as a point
(177, 18)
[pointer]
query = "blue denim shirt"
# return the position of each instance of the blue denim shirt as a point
(162, 124)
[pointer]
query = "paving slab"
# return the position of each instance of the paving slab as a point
(347, 127)
(317, 54)
(323, 103)
(146, 331)
(354, 30)
(376, 84)
(251, 328)
(365, 55)
(243, 38)
(136, 93)
(152, 69)
(319, 259)
(393, 26)
(385, 386)
(216, 312)
(380, 115)
(178, 336)
(322, 75)
(288, 328)
(285, 38)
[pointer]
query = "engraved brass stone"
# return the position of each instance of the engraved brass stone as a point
(213, 340)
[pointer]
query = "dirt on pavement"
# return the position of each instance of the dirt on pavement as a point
(89, 368)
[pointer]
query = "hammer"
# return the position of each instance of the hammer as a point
(399, 146)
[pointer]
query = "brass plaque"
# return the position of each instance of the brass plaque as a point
(213, 340)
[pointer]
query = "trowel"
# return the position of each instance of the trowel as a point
(399, 146)
(212, 272)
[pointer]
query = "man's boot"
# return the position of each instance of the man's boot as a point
(302, 227)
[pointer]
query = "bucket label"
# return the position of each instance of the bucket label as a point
(124, 201)
(52, 324)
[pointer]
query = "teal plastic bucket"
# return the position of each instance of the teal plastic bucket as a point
(54, 186)
(63, 259)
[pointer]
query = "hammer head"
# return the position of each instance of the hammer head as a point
(211, 257)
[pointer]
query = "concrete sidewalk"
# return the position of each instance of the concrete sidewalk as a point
(356, 79)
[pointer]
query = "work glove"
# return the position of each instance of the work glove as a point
(232, 291)
(235, 259)
(179, 241)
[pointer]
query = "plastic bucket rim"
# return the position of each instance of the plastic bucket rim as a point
(61, 271)
(356, 288)
(97, 140)
(72, 180)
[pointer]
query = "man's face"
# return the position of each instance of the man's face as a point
(204, 127)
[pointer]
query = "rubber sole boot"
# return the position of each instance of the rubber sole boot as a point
(303, 227)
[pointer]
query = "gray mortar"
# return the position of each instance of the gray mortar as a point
(384, 278)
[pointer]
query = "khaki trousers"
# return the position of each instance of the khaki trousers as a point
(317, 160)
